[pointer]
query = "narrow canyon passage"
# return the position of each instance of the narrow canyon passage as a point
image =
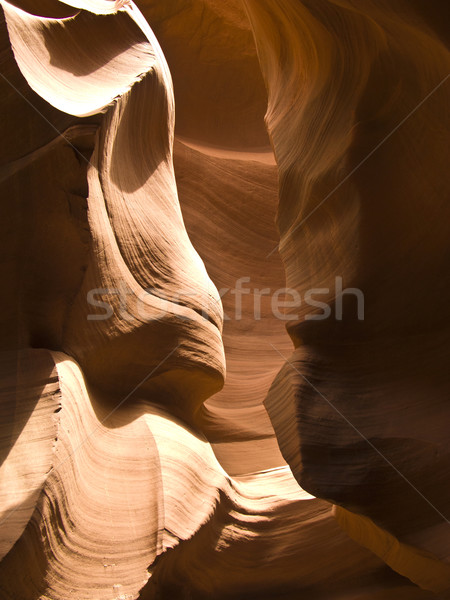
(228, 187)
(224, 367)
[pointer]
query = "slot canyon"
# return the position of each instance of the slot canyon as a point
(225, 233)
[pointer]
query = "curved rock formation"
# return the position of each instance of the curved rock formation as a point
(360, 407)
(127, 471)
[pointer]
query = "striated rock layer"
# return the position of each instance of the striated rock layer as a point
(129, 469)
(360, 132)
